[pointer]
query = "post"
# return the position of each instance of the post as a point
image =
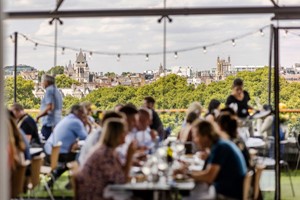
(55, 43)
(270, 64)
(4, 172)
(15, 65)
(165, 39)
(276, 105)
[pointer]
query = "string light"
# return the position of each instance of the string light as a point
(12, 38)
(285, 32)
(63, 51)
(35, 46)
(174, 52)
(233, 42)
(90, 55)
(261, 32)
(204, 49)
(118, 57)
(175, 55)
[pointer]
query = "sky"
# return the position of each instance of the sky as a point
(145, 35)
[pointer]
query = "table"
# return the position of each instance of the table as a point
(155, 187)
(255, 143)
(34, 151)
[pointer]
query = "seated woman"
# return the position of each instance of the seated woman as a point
(226, 167)
(185, 134)
(213, 110)
(228, 125)
(103, 167)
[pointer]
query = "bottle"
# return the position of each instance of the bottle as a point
(169, 154)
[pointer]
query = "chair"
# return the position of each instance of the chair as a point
(258, 171)
(298, 147)
(36, 164)
(18, 179)
(247, 185)
(46, 170)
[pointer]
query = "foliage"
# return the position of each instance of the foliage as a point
(24, 92)
(69, 101)
(63, 81)
(56, 70)
(110, 74)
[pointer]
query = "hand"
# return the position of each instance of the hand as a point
(153, 134)
(203, 155)
(132, 148)
(37, 119)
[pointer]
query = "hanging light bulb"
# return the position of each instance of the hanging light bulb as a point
(63, 51)
(12, 38)
(285, 32)
(35, 46)
(147, 57)
(118, 57)
(90, 55)
(204, 49)
(175, 55)
(233, 42)
(261, 32)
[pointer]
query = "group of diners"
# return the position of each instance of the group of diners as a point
(127, 134)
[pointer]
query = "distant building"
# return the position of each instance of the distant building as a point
(26, 70)
(223, 67)
(79, 71)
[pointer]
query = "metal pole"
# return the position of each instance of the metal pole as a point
(270, 64)
(15, 65)
(55, 43)
(165, 40)
(276, 100)
(4, 171)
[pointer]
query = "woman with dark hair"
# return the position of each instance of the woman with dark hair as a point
(185, 134)
(239, 99)
(213, 110)
(228, 125)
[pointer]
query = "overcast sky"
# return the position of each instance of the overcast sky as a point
(145, 35)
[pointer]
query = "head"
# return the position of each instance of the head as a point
(112, 114)
(79, 111)
(131, 114)
(118, 107)
(144, 119)
(204, 134)
(195, 107)
(47, 80)
(17, 110)
(191, 117)
(238, 86)
(114, 132)
(214, 104)
(149, 102)
(228, 124)
(88, 107)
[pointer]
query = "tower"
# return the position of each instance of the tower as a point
(81, 68)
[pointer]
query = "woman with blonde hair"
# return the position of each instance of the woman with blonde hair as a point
(103, 167)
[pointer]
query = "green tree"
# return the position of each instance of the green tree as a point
(24, 93)
(110, 74)
(63, 81)
(68, 101)
(56, 70)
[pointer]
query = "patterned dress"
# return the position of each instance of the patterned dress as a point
(101, 169)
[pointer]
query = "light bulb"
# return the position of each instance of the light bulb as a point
(233, 42)
(118, 57)
(261, 32)
(63, 50)
(204, 50)
(147, 57)
(90, 55)
(35, 46)
(175, 55)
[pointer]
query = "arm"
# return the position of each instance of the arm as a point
(45, 112)
(130, 152)
(208, 175)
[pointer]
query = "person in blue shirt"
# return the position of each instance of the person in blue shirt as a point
(226, 167)
(68, 131)
(51, 106)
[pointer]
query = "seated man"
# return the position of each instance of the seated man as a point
(144, 136)
(68, 131)
(27, 124)
(226, 167)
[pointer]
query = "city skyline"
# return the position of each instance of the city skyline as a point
(145, 35)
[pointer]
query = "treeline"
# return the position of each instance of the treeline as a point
(170, 92)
